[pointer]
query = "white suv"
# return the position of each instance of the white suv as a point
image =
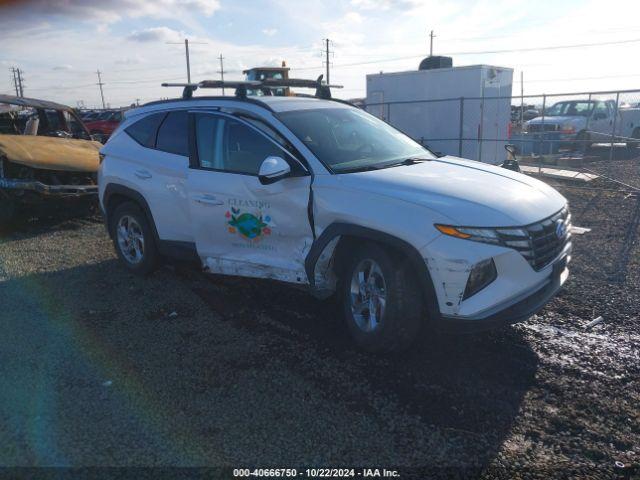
(320, 193)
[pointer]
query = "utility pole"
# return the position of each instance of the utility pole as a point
(221, 72)
(431, 37)
(327, 52)
(20, 80)
(186, 51)
(521, 98)
(100, 84)
(15, 81)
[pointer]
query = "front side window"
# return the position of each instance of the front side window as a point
(348, 139)
(173, 136)
(231, 146)
(144, 130)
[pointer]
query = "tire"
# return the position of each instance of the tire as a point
(582, 142)
(133, 239)
(400, 316)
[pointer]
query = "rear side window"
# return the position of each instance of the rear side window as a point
(144, 130)
(173, 136)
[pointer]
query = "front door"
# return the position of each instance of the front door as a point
(241, 226)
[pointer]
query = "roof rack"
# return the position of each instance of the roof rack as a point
(266, 86)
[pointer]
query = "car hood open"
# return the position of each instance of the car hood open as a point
(471, 193)
(51, 153)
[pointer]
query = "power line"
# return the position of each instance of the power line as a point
(485, 52)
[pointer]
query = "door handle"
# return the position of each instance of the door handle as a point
(143, 174)
(208, 200)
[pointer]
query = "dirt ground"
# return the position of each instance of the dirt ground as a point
(101, 368)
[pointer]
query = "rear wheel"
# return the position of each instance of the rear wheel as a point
(133, 239)
(381, 301)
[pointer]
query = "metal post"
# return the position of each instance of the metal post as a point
(461, 126)
(589, 117)
(186, 48)
(613, 133)
(544, 107)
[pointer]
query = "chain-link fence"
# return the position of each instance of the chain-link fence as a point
(582, 131)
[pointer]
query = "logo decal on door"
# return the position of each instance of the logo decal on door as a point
(248, 225)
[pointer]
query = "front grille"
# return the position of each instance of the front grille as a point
(539, 127)
(539, 243)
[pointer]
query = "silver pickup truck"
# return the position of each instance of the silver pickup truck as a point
(580, 123)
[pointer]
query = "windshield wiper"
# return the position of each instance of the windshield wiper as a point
(368, 168)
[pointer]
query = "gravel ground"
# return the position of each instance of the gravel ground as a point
(101, 368)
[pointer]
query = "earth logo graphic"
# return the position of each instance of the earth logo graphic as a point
(248, 225)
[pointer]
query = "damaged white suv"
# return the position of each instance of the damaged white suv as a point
(319, 193)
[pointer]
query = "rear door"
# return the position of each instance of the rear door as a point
(159, 171)
(241, 226)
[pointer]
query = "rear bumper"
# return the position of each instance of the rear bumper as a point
(44, 189)
(514, 312)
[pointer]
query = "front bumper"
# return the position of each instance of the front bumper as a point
(44, 189)
(514, 311)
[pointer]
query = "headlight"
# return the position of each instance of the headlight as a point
(511, 237)
(481, 275)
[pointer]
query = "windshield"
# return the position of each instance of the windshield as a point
(573, 109)
(348, 139)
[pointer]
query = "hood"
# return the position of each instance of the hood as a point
(51, 153)
(470, 193)
(556, 120)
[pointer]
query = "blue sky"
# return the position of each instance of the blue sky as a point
(59, 44)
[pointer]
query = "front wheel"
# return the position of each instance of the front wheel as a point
(133, 239)
(381, 300)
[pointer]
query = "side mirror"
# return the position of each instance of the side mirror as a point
(273, 169)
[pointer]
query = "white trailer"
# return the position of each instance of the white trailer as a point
(452, 110)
